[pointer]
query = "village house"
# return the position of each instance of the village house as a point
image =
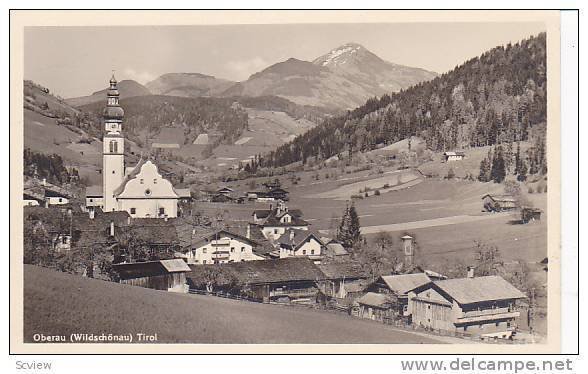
(530, 214)
(482, 306)
(141, 190)
(275, 221)
(94, 197)
(32, 198)
(397, 288)
(273, 192)
(166, 275)
(221, 247)
(498, 203)
(288, 280)
(454, 156)
(295, 242)
(375, 306)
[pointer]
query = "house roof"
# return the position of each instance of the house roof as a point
(175, 265)
(34, 195)
(337, 249)
(478, 289)
(264, 247)
(454, 153)
(184, 193)
(147, 269)
(294, 238)
(261, 272)
(401, 284)
(220, 233)
(340, 270)
(94, 191)
(374, 299)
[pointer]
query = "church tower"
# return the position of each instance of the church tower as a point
(113, 164)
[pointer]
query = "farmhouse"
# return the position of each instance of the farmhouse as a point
(454, 156)
(296, 242)
(483, 306)
(166, 275)
(397, 288)
(286, 280)
(142, 191)
(498, 203)
(274, 194)
(275, 221)
(221, 247)
(184, 195)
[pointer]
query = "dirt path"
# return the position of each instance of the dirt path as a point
(431, 223)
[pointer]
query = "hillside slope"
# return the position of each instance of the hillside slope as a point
(127, 88)
(188, 85)
(61, 304)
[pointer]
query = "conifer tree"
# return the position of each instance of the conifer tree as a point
(349, 233)
(498, 170)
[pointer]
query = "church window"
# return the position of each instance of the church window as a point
(155, 181)
(147, 192)
(204, 262)
(141, 181)
(133, 210)
(161, 211)
(312, 251)
(113, 172)
(111, 146)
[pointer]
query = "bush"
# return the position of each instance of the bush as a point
(377, 193)
(450, 174)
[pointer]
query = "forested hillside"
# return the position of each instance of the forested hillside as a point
(146, 115)
(491, 99)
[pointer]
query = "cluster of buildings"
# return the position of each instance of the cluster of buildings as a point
(275, 257)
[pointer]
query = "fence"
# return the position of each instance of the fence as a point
(224, 294)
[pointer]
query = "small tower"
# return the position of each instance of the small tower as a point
(113, 147)
(408, 250)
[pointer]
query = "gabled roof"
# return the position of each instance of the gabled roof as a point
(260, 272)
(337, 249)
(219, 234)
(478, 289)
(183, 193)
(294, 238)
(401, 284)
(377, 300)
(454, 153)
(149, 268)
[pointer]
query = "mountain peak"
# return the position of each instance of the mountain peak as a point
(343, 54)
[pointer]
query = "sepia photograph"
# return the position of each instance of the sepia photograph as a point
(357, 185)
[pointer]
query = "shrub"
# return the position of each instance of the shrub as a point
(377, 193)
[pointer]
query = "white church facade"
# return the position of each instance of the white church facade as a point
(140, 190)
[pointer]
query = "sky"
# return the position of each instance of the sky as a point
(76, 61)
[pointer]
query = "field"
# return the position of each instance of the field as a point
(60, 304)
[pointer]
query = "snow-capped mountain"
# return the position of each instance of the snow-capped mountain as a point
(343, 78)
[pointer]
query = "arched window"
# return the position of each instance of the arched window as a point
(111, 146)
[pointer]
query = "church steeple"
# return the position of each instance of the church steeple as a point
(113, 114)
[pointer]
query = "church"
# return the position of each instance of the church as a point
(140, 190)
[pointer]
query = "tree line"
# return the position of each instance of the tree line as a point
(491, 99)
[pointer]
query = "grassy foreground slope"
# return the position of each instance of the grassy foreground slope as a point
(59, 303)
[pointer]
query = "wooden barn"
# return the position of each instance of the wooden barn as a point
(483, 306)
(375, 306)
(166, 275)
(294, 279)
(397, 288)
(498, 203)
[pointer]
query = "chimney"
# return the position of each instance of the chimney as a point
(91, 213)
(248, 235)
(128, 220)
(165, 218)
(111, 228)
(291, 235)
(471, 271)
